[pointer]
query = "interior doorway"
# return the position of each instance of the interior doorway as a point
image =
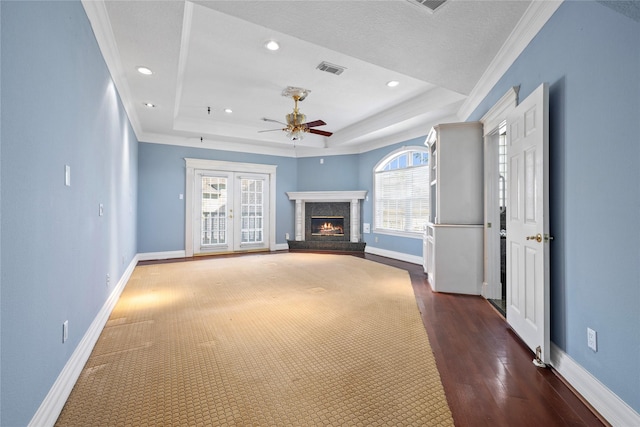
(500, 301)
(494, 287)
(495, 233)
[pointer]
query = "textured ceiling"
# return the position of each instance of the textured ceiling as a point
(630, 8)
(210, 55)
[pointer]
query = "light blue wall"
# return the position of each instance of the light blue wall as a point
(336, 173)
(162, 179)
(59, 107)
(590, 56)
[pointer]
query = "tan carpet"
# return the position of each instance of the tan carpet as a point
(289, 339)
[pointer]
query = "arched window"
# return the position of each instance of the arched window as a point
(401, 192)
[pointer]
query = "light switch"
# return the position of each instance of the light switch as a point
(101, 210)
(366, 227)
(67, 175)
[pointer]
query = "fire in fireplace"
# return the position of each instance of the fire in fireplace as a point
(327, 226)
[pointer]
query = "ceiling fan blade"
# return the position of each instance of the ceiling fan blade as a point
(272, 120)
(268, 130)
(320, 132)
(314, 124)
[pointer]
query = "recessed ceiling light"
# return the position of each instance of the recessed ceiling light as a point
(393, 83)
(144, 70)
(149, 105)
(272, 45)
(228, 110)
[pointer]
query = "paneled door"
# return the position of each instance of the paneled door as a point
(528, 223)
(231, 212)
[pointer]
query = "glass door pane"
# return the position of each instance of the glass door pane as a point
(251, 210)
(213, 220)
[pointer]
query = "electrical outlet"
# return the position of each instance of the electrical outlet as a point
(286, 236)
(592, 339)
(108, 279)
(65, 331)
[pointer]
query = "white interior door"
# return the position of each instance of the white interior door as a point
(528, 222)
(231, 212)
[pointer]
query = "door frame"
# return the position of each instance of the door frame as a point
(191, 165)
(491, 121)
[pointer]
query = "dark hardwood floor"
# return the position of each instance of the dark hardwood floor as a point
(487, 372)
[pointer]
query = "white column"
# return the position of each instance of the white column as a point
(299, 220)
(355, 221)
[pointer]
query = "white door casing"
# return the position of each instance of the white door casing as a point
(492, 122)
(528, 223)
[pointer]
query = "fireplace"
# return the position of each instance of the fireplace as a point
(327, 220)
(327, 226)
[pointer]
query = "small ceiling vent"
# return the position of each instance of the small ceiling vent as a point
(331, 68)
(432, 5)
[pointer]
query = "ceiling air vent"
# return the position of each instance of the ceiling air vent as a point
(331, 68)
(432, 5)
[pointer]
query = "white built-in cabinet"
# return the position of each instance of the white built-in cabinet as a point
(453, 241)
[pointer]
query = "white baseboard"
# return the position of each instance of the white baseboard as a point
(152, 256)
(395, 255)
(282, 247)
(52, 405)
(603, 400)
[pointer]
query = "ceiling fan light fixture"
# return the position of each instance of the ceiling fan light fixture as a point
(295, 135)
(393, 83)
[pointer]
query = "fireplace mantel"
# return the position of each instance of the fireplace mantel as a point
(302, 197)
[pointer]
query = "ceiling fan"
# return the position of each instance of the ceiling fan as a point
(296, 126)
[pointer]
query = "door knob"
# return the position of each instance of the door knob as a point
(537, 237)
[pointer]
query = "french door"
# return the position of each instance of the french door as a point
(231, 211)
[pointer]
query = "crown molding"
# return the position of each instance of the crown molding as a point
(535, 17)
(96, 11)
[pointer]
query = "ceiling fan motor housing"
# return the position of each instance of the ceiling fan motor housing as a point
(296, 119)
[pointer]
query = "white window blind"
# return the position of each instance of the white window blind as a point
(401, 191)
